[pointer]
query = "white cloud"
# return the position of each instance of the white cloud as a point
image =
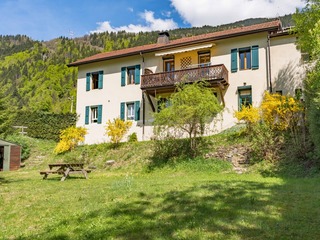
(217, 12)
(151, 24)
(130, 9)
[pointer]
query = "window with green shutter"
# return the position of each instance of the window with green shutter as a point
(93, 114)
(130, 75)
(88, 79)
(234, 60)
(100, 80)
(123, 76)
(94, 80)
(137, 110)
(130, 110)
(255, 57)
(87, 109)
(122, 111)
(137, 74)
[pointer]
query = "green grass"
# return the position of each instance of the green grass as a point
(166, 203)
(185, 199)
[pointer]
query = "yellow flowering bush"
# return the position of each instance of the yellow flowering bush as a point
(117, 129)
(70, 138)
(280, 112)
(248, 114)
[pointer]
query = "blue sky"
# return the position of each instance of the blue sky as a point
(48, 19)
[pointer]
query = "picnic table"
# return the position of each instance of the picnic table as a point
(65, 169)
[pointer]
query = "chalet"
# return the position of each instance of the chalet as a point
(240, 64)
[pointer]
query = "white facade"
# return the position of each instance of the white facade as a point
(274, 62)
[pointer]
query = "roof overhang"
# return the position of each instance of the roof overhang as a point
(181, 50)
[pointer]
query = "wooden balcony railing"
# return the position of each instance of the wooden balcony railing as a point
(214, 74)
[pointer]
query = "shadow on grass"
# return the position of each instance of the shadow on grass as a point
(211, 210)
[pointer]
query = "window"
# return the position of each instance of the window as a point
(245, 96)
(245, 58)
(94, 80)
(93, 114)
(204, 59)
(130, 75)
(248, 58)
(168, 65)
(163, 103)
(130, 110)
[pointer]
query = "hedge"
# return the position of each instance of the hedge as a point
(45, 125)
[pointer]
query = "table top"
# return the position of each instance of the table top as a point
(66, 165)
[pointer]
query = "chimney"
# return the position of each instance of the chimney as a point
(163, 38)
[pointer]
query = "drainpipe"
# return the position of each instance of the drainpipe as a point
(269, 64)
(143, 101)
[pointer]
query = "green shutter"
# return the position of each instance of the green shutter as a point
(88, 81)
(137, 110)
(99, 114)
(234, 60)
(86, 121)
(100, 80)
(255, 57)
(137, 74)
(123, 76)
(122, 109)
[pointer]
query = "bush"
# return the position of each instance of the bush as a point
(117, 129)
(133, 137)
(70, 138)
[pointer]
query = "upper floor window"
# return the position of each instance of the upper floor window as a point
(94, 80)
(168, 65)
(248, 58)
(245, 58)
(130, 75)
(204, 59)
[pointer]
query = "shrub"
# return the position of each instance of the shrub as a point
(70, 138)
(117, 129)
(133, 137)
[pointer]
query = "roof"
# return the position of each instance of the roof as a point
(240, 31)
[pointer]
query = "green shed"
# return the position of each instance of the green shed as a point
(10, 156)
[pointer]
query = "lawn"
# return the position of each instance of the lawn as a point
(188, 201)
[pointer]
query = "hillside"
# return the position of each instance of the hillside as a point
(34, 75)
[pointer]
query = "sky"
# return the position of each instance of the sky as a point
(49, 19)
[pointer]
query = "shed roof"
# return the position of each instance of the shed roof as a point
(240, 31)
(6, 143)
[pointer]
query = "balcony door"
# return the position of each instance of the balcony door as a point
(168, 65)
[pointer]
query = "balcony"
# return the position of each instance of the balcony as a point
(216, 75)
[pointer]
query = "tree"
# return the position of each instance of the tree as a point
(307, 27)
(190, 109)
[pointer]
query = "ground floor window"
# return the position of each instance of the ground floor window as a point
(130, 110)
(245, 96)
